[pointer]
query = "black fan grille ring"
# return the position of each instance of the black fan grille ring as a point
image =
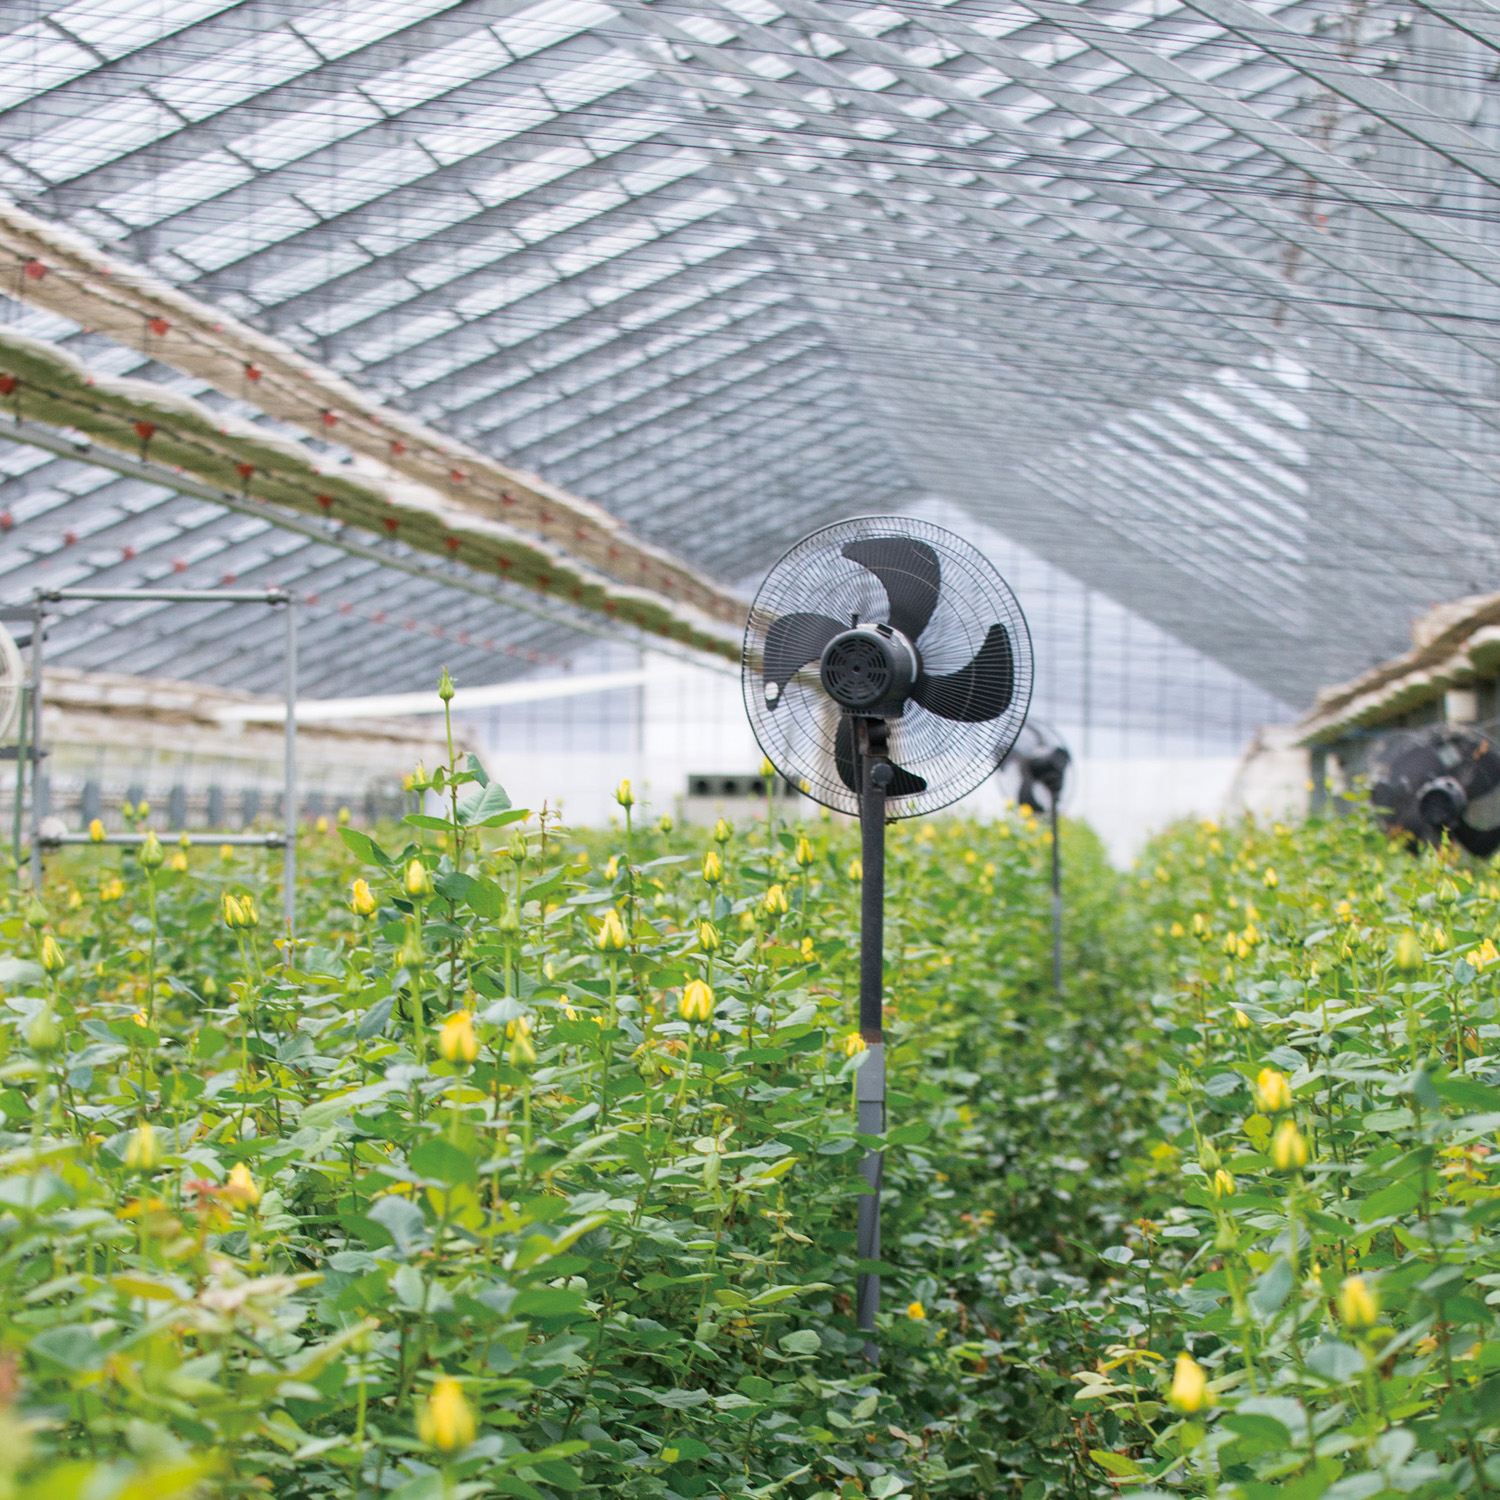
(796, 729)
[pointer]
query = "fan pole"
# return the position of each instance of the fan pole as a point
(870, 1080)
(1057, 972)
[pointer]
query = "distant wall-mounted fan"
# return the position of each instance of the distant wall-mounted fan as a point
(1040, 762)
(886, 666)
(1443, 778)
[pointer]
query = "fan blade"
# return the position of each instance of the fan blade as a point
(982, 690)
(791, 642)
(904, 783)
(909, 570)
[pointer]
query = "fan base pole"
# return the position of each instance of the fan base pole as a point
(1057, 910)
(870, 1085)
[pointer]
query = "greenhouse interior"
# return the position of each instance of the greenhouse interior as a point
(749, 749)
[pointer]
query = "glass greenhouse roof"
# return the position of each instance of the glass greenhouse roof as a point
(1194, 301)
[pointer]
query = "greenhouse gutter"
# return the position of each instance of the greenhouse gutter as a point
(57, 268)
(369, 548)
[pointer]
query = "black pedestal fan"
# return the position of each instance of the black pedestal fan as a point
(886, 666)
(1040, 761)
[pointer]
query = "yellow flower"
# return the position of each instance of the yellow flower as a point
(722, 832)
(708, 937)
(75, 899)
(1485, 956)
(774, 902)
(623, 795)
(713, 867)
(247, 907)
(417, 881)
(1358, 1305)
(915, 1311)
(226, 852)
(234, 917)
(1408, 951)
(807, 950)
(611, 937)
(697, 1003)
(664, 824)
(420, 780)
(343, 817)
(854, 1043)
(143, 810)
(1239, 1020)
(241, 1189)
(1272, 1092)
(456, 1040)
(150, 853)
(445, 686)
(1223, 1183)
(52, 954)
(320, 825)
(766, 768)
(856, 869)
(1269, 879)
(96, 830)
(361, 899)
(178, 863)
(1288, 1147)
(804, 854)
(522, 1052)
(1178, 930)
(142, 1152)
(1200, 925)
(446, 1420)
(1189, 1391)
(612, 869)
(112, 890)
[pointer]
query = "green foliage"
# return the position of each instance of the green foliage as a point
(451, 1200)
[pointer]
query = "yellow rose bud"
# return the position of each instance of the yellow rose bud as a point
(808, 953)
(178, 863)
(1200, 925)
(916, 1312)
(445, 686)
(1409, 951)
(143, 810)
(611, 938)
(665, 824)
(52, 954)
(1288, 1147)
(43, 1034)
(1223, 1183)
(623, 794)
(522, 1052)
(1189, 1391)
(247, 908)
(142, 1152)
(1239, 1020)
(713, 867)
(75, 899)
(708, 937)
(854, 1043)
(184, 840)
(612, 869)
(320, 825)
(775, 902)
(766, 768)
(1269, 879)
(150, 853)
(697, 1003)
(1358, 1305)
(127, 809)
(226, 852)
(241, 1188)
(411, 955)
(856, 869)
(233, 917)
(96, 830)
(361, 899)
(112, 890)
(343, 817)
(420, 780)
(804, 854)
(417, 881)
(446, 1420)
(1177, 930)
(456, 1040)
(722, 832)
(1273, 1093)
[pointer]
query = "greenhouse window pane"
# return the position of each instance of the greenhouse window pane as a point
(90, 140)
(437, 72)
(215, 83)
(113, 28)
(347, 25)
(290, 136)
(543, 25)
(35, 59)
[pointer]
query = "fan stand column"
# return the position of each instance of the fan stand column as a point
(876, 775)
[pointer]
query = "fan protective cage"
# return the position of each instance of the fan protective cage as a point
(797, 733)
(12, 675)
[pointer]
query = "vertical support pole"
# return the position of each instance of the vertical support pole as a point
(1057, 907)
(38, 620)
(289, 852)
(869, 1090)
(18, 811)
(1317, 774)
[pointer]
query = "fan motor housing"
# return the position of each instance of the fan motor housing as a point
(870, 670)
